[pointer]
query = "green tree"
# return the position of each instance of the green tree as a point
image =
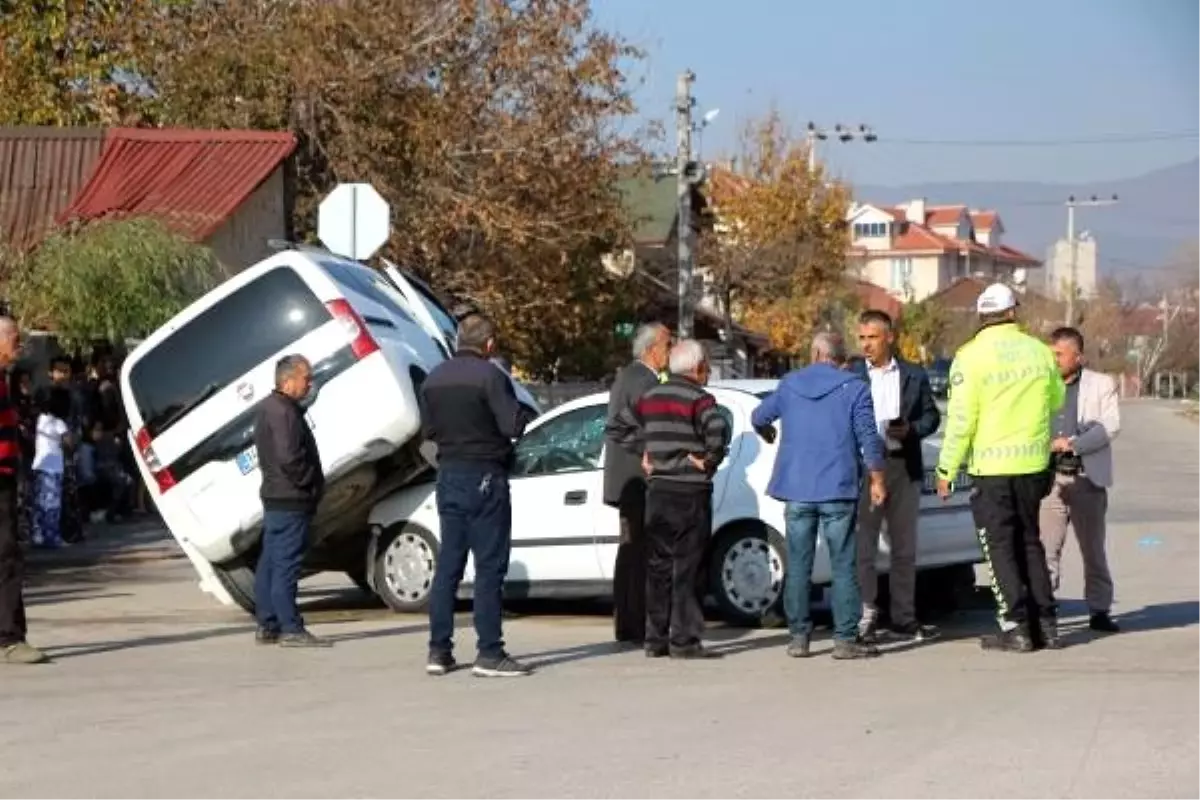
(109, 280)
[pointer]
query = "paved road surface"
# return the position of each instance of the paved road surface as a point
(157, 693)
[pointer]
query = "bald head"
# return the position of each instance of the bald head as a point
(10, 341)
(828, 348)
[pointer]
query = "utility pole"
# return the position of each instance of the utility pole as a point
(843, 133)
(1072, 284)
(684, 180)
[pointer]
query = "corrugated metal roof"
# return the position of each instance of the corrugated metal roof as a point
(41, 170)
(192, 180)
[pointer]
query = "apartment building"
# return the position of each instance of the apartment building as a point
(915, 249)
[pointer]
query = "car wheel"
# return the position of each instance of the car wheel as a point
(359, 578)
(404, 563)
(746, 572)
(238, 580)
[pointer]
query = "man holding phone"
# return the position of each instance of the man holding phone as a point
(905, 414)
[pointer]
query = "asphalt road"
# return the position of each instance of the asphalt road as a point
(157, 692)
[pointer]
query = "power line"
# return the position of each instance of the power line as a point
(1140, 138)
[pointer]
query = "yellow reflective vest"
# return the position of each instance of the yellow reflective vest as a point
(1004, 390)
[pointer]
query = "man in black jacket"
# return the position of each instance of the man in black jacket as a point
(292, 483)
(906, 414)
(470, 412)
(625, 484)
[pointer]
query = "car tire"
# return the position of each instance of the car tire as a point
(359, 578)
(746, 569)
(238, 579)
(405, 560)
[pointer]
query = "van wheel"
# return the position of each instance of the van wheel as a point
(238, 580)
(404, 565)
(746, 574)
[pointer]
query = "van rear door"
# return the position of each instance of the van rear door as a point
(191, 393)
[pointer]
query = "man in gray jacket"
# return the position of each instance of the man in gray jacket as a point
(625, 483)
(1081, 454)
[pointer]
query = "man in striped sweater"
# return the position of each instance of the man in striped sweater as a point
(685, 438)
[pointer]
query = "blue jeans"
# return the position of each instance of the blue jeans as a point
(475, 514)
(284, 540)
(835, 521)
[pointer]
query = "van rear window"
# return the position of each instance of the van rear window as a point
(221, 344)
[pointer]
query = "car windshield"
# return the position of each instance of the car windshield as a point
(222, 343)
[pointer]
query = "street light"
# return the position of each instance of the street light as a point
(842, 133)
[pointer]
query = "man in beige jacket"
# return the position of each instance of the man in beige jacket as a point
(1083, 430)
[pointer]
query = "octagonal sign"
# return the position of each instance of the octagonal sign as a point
(354, 221)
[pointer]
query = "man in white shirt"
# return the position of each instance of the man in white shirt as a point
(905, 413)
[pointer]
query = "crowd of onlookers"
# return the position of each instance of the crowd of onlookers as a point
(75, 461)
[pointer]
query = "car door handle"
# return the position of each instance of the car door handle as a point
(576, 498)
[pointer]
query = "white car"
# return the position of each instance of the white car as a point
(192, 388)
(565, 538)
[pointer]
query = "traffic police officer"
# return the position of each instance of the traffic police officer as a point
(1004, 389)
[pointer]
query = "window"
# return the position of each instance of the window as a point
(870, 229)
(443, 318)
(371, 285)
(901, 275)
(572, 442)
(222, 343)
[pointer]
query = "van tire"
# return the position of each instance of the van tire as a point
(238, 580)
(421, 548)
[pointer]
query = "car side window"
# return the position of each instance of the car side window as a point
(572, 442)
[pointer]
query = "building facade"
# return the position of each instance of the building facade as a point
(915, 250)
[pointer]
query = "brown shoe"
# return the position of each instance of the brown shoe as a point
(22, 653)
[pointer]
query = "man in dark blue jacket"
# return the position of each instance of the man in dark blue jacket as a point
(828, 432)
(905, 414)
(470, 412)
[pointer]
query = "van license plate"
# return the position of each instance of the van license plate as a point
(247, 460)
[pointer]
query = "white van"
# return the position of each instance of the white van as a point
(191, 390)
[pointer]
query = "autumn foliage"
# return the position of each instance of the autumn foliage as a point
(777, 253)
(493, 128)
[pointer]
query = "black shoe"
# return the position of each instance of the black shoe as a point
(303, 639)
(1016, 640)
(657, 651)
(266, 636)
(1047, 636)
(502, 666)
(1101, 622)
(440, 664)
(848, 649)
(868, 632)
(914, 632)
(694, 652)
(799, 646)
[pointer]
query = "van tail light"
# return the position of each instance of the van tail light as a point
(362, 344)
(162, 475)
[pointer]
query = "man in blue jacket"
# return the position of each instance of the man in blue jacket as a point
(829, 430)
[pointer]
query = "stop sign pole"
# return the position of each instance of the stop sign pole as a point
(354, 221)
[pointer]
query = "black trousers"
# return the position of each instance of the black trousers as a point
(12, 568)
(629, 573)
(678, 525)
(1006, 509)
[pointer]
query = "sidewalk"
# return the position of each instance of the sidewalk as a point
(139, 540)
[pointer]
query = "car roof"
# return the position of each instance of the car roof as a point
(729, 395)
(751, 385)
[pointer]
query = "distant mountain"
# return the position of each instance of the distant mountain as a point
(1157, 212)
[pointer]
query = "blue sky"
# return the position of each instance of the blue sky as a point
(934, 70)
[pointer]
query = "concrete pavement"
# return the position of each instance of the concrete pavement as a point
(158, 692)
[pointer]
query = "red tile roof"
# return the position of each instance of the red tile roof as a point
(192, 180)
(41, 169)
(943, 215)
(1013, 256)
(873, 296)
(983, 220)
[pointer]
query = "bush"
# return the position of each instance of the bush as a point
(109, 280)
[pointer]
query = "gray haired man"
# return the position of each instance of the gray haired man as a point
(293, 481)
(625, 484)
(685, 438)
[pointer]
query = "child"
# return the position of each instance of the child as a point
(51, 443)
